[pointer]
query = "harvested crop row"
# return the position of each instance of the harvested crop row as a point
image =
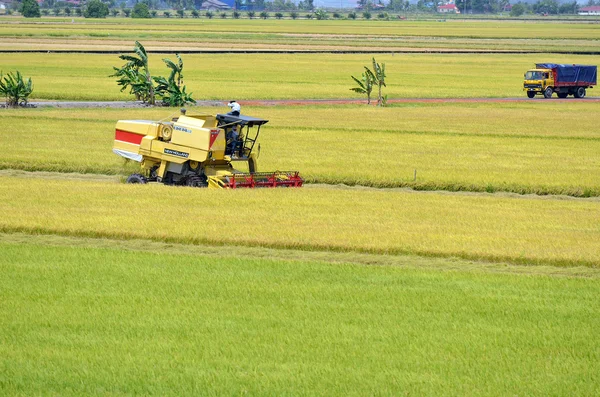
(519, 230)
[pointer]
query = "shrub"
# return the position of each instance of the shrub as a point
(278, 15)
(309, 16)
(236, 14)
(351, 15)
(30, 9)
(140, 10)
(15, 89)
(96, 9)
(67, 11)
(383, 15)
(251, 14)
(366, 15)
(337, 15)
(209, 15)
(321, 14)
(167, 14)
(127, 12)
(154, 13)
(293, 15)
(223, 15)
(115, 12)
(56, 11)
(517, 10)
(264, 15)
(181, 13)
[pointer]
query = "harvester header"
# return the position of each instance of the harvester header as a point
(198, 150)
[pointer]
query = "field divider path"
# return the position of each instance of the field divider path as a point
(295, 102)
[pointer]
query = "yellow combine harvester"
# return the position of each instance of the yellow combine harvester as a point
(198, 150)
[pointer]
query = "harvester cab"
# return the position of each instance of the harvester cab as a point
(241, 133)
(198, 150)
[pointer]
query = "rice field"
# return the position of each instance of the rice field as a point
(83, 320)
(197, 34)
(115, 289)
(308, 76)
(438, 146)
(559, 232)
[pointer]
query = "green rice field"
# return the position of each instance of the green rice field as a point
(446, 244)
(84, 320)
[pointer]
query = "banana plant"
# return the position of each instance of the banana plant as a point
(136, 74)
(176, 69)
(15, 89)
(379, 74)
(365, 84)
(171, 90)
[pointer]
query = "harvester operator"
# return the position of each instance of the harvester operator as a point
(232, 141)
(235, 108)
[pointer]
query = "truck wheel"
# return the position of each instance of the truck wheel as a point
(137, 178)
(530, 94)
(548, 92)
(580, 92)
(562, 95)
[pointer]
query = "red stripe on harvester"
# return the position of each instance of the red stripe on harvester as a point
(130, 137)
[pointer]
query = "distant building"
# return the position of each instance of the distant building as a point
(214, 5)
(592, 10)
(448, 9)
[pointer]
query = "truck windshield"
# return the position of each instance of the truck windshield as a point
(532, 75)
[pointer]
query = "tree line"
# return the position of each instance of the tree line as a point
(260, 8)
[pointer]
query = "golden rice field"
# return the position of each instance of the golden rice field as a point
(518, 230)
(189, 34)
(308, 76)
(74, 26)
(449, 146)
(116, 289)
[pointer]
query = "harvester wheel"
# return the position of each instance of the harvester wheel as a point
(580, 92)
(196, 181)
(548, 92)
(530, 94)
(137, 178)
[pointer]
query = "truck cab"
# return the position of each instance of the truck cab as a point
(538, 82)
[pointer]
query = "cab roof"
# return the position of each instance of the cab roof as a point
(241, 120)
